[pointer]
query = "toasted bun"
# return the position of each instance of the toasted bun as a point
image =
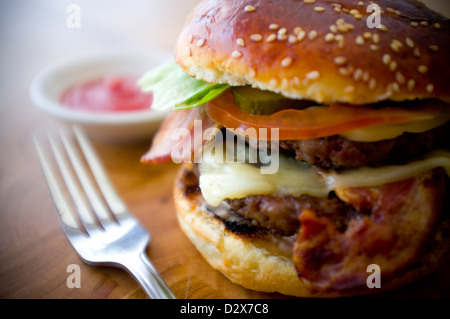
(323, 51)
(264, 262)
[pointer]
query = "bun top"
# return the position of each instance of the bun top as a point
(320, 50)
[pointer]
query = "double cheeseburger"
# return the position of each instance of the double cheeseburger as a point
(361, 188)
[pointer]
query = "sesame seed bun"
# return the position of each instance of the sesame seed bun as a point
(320, 50)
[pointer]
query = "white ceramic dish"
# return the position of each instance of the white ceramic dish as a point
(52, 82)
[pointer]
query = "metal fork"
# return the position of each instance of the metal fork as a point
(100, 236)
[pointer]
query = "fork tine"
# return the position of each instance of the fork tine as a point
(65, 212)
(98, 206)
(113, 200)
(84, 212)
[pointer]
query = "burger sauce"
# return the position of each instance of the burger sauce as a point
(107, 94)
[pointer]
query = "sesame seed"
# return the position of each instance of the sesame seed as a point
(252, 72)
(409, 42)
(249, 8)
(422, 68)
(397, 12)
(366, 76)
(361, 4)
(344, 71)
(376, 38)
(333, 28)
(344, 28)
(340, 60)
(292, 39)
(414, 24)
(393, 66)
(282, 31)
(188, 51)
(424, 23)
(358, 16)
(256, 37)
(349, 89)
(357, 75)
(399, 77)
(337, 9)
(434, 48)
(236, 54)
(417, 52)
(240, 42)
(395, 87)
(312, 34)
(359, 40)
(396, 45)
(383, 28)
(313, 75)
(271, 37)
(372, 84)
(282, 36)
(310, 1)
(411, 83)
(340, 39)
(201, 42)
(329, 37)
(295, 80)
(386, 59)
(286, 62)
(367, 35)
(354, 12)
(273, 82)
(374, 47)
(319, 9)
(390, 10)
(301, 36)
(274, 26)
(430, 88)
(191, 38)
(437, 25)
(297, 30)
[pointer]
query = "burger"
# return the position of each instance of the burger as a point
(349, 101)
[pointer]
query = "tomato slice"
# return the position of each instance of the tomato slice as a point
(314, 122)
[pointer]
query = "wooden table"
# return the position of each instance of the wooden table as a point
(34, 252)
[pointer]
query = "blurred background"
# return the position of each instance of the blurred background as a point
(34, 34)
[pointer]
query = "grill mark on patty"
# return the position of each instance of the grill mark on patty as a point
(280, 213)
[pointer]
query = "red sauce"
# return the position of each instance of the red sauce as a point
(108, 94)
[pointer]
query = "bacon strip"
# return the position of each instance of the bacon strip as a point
(181, 130)
(403, 215)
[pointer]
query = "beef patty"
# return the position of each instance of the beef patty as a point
(338, 152)
(279, 213)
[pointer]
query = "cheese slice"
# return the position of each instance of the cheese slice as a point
(219, 181)
(389, 131)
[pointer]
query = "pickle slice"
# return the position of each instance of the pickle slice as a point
(259, 102)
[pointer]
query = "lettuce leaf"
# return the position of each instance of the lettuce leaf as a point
(173, 89)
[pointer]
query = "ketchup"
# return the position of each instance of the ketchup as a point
(108, 94)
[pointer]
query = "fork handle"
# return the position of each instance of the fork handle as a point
(148, 278)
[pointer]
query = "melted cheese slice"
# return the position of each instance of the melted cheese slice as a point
(219, 181)
(389, 131)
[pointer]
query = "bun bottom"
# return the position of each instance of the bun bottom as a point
(264, 262)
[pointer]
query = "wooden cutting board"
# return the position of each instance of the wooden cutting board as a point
(35, 253)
